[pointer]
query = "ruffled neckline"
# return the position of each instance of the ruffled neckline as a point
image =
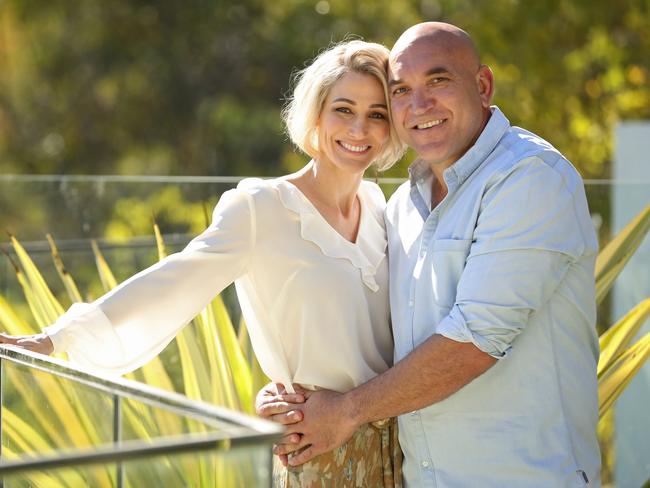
(366, 254)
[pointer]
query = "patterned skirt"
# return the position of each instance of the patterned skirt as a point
(371, 458)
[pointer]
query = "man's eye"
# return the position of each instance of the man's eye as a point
(439, 79)
(399, 91)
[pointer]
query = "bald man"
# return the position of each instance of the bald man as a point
(492, 254)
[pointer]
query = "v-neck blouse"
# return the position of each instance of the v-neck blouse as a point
(316, 304)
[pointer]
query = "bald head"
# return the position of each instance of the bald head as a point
(440, 93)
(446, 37)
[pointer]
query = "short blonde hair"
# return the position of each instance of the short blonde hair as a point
(313, 84)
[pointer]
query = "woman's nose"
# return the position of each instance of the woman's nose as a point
(358, 127)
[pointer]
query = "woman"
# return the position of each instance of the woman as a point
(307, 255)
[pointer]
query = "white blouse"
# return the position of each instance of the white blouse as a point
(316, 304)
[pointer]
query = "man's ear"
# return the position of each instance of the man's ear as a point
(485, 82)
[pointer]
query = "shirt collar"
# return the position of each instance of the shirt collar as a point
(475, 155)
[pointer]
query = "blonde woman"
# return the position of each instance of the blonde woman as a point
(307, 253)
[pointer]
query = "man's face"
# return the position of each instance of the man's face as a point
(439, 97)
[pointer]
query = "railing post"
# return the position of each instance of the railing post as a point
(117, 437)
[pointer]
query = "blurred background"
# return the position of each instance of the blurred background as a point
(113, 114)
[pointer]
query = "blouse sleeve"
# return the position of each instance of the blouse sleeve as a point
(131, 324)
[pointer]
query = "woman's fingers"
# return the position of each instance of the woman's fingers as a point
(277, 404)
(290, 439)
(7, 339)
(284, 459)
(285, 449)
(280, 412)
(40, 343)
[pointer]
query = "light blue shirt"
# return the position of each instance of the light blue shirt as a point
(506, 262)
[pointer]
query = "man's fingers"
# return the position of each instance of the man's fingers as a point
(284, 459)
(307, 455)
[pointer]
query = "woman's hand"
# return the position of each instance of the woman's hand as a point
(274, 403)
(40, 343)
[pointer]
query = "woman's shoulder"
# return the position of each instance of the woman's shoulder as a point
(258, 188)
(373, 195)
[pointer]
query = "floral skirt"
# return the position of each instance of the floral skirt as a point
(371, 458)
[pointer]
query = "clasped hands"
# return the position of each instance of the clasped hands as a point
(316, 421)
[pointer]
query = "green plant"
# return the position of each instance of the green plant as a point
(216, 366)
(619, 361)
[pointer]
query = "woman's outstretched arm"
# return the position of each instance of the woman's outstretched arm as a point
(131, 324)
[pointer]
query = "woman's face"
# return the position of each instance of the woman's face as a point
(353, 125)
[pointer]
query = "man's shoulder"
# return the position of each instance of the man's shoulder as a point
(520, 148)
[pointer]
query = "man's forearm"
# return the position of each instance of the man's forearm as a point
(434, 370)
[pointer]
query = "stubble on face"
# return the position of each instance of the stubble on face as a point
(439, 47)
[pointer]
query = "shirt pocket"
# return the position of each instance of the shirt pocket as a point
(448, 258)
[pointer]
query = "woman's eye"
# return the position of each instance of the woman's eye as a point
(377, 115)
(343, 110)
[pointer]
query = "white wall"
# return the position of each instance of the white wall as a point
(629, 197)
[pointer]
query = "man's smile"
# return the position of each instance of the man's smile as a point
(428, 124)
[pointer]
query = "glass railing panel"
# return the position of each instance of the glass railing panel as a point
(245, 467)
(104, 476)
(61, 426)
(43, 413)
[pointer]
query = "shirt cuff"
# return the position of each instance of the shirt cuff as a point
(79, 315)
(454, 327)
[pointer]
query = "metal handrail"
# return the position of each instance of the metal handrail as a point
(78, 178)
(235, 428)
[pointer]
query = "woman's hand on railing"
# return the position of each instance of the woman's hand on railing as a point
(40, 343)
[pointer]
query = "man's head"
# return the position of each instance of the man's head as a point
(440, 93)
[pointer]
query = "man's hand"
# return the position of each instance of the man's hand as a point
(327, 423)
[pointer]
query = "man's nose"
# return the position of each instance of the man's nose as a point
(421, 101)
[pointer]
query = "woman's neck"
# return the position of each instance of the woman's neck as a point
(329, 187)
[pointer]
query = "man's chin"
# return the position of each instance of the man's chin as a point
(433, 156)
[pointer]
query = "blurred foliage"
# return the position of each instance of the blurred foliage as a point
(143, 87)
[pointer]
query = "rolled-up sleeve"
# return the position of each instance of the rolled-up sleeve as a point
(527, 237)
(131, 324)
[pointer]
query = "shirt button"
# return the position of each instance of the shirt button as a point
(425, 464)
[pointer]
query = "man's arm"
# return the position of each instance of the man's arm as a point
(436, 369)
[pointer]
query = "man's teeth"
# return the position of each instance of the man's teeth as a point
(352, 148)
(427, 125)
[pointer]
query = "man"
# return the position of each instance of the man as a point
(492, 255)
